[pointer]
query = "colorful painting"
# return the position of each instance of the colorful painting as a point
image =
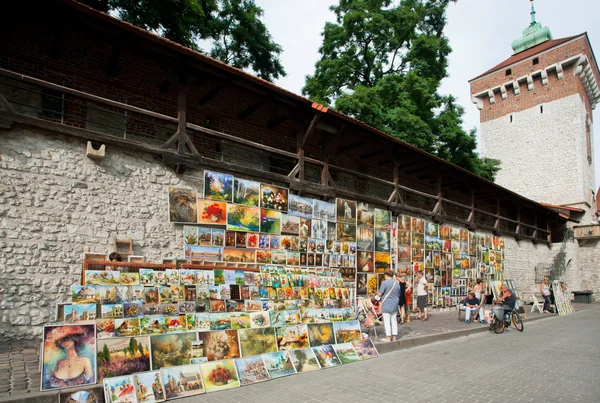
(300, 206)
(251, 370)
(102, 277)
(290, 224)
(320, 334)
(270, 221)
(82, 294)
(182, 205)
(323, 210)
(417, 225)
(365, 349)
(219, 375)
(212, 212)
(127, 327)
(246, 192)
(304, 360)
(120, 390)
(346, 332)
(327, 356)
(259, 319)
(81, 313)
(292, 337)
(240, 320)
(274, 198)
(345, 232)
(130, 279)
(278, 364)
(218, 186)
(432, 229)
(264, 241)
(105, 328)
(87, 395)
(365, 262)
(382, 262)
(68, 356)
(346, 211)
(171, 349)
(204, 236)
(123, 356)
(243, 218)
(346, 353)
(152, 325)
(257, 341)
(382, 219)
(239, 255)
(182, 381)
(365, 215)
(149, 387)
(382, 241)
(220, 345)
(208, 253)
(365, 239)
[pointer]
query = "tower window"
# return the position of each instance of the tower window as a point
(536, 60)
(510, 118)
(508, 72)
(541, 108)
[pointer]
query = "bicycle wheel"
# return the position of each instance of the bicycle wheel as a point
(517, 321)
(496, 325)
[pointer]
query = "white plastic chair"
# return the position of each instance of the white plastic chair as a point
(537, 304)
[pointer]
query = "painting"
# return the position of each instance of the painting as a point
(365, 262)
(259, 319)
(319, 229)
(290, 225)
(382, 220)
(257, 341)
(251, 240)
(127, 327)
(305, 227)
(68, 356)
(292, 337)
(123, 356)
(346, 211)
(182, 381)
(382, 262)
(320, 334)
(171, 349)
(81, 313)
(346, 353)
(246, 192)
(264, 241)
(120, 389)
(149, 387)
(182, 205)
(274, 198)
(365, 215)
(278, 364)
(382, 241)
(212, 212)
(219, 375)
(345, 232)
(300, 206)
(87, 395)
(432, 229)
(240, 320)
(251, 370)
(81, 294)
(102, 277)
(346, 332)
(208, 253)
(105, 328)
(239, 255)
(323, 210)
(218, 186)
(220, 345)
(270, 221)
(365, 349)
(304, 360)
(404, 223)
(327, 356)
(243, 218)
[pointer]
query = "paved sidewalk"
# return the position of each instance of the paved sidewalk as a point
(20, 372)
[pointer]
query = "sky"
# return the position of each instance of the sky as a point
(480, 34)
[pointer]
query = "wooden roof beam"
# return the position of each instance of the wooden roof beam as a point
(250, 109)
(211, 94)
(350, 146)
(372, 154)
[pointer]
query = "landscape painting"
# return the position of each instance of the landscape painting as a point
(246, 192)
(123, 356)
(239, 255)
(212, 212)
(292, 337)
(304, 360)
(290, 225)
(270, 221)
(365, 349)
(279, 364)
(171, 349)
(346, 232)
(382, 219)
(365, 239)
(320, 334)
(365, 215)
(257, 341)
(346, 353)
(346, 332)
(327, 356)
(243, 218)
(274, 198)
(300, 206)
(182, 205)
(208, 253)
(251, 370)
(218, 186)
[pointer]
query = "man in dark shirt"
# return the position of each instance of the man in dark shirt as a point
(509, 301)
(472, 304)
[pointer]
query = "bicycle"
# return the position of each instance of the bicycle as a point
(499, 322)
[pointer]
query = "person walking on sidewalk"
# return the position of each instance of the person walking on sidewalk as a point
(389, 292)
(545, 290)
(472, 304)
(422, 286)
(402, 302)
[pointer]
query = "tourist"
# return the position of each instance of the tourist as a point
(472, 304)
(402, 299)
(422, 286)
(408, 304)
(389, 294)
(545, 290)
(508, 299)
(479, 290)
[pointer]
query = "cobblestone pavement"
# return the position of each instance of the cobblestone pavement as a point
(556, 360)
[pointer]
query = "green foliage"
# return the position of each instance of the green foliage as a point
(382, 62)
(231, 28)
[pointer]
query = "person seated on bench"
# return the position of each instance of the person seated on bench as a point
(472, 304)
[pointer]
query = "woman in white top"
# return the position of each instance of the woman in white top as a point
(545, 290)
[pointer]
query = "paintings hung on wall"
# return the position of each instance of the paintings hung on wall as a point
(123, 356)
(212, 212)
(251, 370)
(68, 356)
(218, 186)
(182, 381)
(365, 215)
(300, 206)
(274, 198)
(182, 205)
(270, 221)
(243, 218)
(219, 375)
(346, 211)
(323, 210)
(246, 192)
(290, 225)
(171, 349)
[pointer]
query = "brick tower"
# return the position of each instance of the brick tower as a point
(536, 117)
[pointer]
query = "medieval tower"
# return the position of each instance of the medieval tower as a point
(536, 118)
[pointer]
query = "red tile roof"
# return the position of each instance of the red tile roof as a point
(528, 53)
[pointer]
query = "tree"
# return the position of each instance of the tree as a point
(231, 29)
(141, 349)
(105, 353)
(382, 62)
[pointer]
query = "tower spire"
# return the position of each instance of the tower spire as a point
(532, 13)
(533, 35)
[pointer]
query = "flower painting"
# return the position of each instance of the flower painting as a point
(243, 218)
(123, 356)
(220, 345)
(218, 186)
(274, 198)
(246, 192)
(219, 375)
(68, 356)
(212, 212)
(270, 221)
(182, 205)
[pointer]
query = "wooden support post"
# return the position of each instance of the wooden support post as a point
(497, 223)
(301, 164)
(518, 229)
(181, 137)
(535, 231)
(5, 105)
(472, 212)
(438, 205)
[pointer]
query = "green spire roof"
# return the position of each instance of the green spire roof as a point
(533, 35)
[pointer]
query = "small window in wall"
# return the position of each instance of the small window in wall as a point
(508, 72)
(536, 60)
(541, 108)
(510, 118)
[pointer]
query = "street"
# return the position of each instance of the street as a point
(553, 360)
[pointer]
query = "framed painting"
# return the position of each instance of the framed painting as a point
(120, 389)
(346, 332)
(320, 334)
(239, 255)
(243, 218)
(346, 232)
(382, 241)
(365, 349)
(246, 192)
(270, 221)
(219, 375)
(365, 262)
(68, 356)
(300, 206)
(346, 353)
(278, 364)
(404, 223)
(382, 261)
(84, 395)
(258, 341)
(251, 370)
(327, 356)
(432, 229)
(149, 387)
(274, 198)
(212, 212)
(323, 210)
(218, 186)
(182, 205)
(382, 219)
(123, 356)
(182, 381)
(365, 215)
(304, 360)
(171, 350)
(208, 253)
(417, 225)
(346, 211)
(290, 225)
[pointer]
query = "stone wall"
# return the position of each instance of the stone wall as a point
(590, 267)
